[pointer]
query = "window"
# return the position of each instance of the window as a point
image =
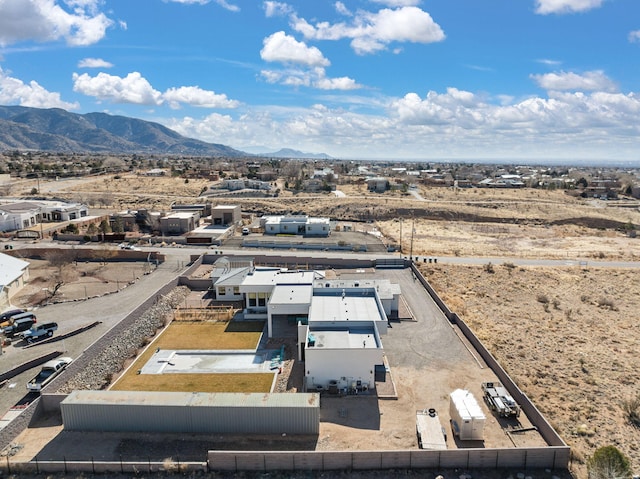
(252, 300)
(221, 290)
(236, 290)
(262, 299)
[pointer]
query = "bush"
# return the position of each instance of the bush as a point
(608, 463)
(489, 268)
(631, 408)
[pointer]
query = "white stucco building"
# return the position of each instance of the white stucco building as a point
(338, 323)
(296, 225)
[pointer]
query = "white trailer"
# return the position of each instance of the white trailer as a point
(431, 434)
(467, 418)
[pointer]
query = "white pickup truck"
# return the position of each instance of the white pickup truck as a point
(49, 370)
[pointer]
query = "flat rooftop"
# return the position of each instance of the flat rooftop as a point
(344, 308)
(358, 338)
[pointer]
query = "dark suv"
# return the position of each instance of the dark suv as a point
(21, 322)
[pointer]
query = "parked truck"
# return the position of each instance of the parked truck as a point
(499, 400)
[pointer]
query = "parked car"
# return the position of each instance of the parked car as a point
(130, 247)
(38, 331)
(49, 370)
(21, 322)
(5, 318)
(245, 231)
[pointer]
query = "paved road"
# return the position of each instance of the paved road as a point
(108, 309)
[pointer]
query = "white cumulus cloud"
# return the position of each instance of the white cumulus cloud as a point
(545, 7)
(454, 123)
(342, 83)
(94, 63)
(136, 89)
(196, 96)
(283, 48)
(372, 32)
(14, 91)
(589, 81)
(634, 36)
(133, 88)
(47, 20)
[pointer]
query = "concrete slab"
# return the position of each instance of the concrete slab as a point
(167, 361)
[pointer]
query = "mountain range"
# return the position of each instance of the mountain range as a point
(57, 130)
(25, 128)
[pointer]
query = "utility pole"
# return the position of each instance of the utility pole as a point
(413, 223)
(400, 237)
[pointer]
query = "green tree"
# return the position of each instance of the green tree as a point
(608, 463)
(104, 228)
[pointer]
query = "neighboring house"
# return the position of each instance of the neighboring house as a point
(223, 215)
(233, 185)
(14, 274)
(297, 225)
(203, 208)
(17, 216)
(59, 211)
(378, 184)
(179, 223)
(155, 172)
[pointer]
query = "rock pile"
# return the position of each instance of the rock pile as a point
(100, 370)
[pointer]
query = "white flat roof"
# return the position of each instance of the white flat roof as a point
(361, 338)
(273, 276)
(347, 308)
(291, 294)
(181, 214)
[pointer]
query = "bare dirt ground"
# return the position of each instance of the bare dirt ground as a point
(84, 280)
(567, 336)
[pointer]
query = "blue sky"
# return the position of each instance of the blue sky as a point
(407, 79)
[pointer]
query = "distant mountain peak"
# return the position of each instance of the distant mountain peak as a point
(291, 153)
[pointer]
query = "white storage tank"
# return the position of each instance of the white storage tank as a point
(467, 418)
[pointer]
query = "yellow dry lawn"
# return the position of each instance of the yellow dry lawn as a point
(205, 383)
(199, 336)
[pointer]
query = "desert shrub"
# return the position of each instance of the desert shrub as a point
(608, 463)
(556, 303)
(607, 303)
(542, 298)
(489, 268)
(631, 408)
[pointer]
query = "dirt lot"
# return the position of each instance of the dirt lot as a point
(568, 337)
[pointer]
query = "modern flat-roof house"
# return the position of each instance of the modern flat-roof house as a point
(179, 223)
(341, 343)
(226, 215)
(337, 323)
(59, 211)
(296, 225)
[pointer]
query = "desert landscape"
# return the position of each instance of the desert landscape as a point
(566, 334)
